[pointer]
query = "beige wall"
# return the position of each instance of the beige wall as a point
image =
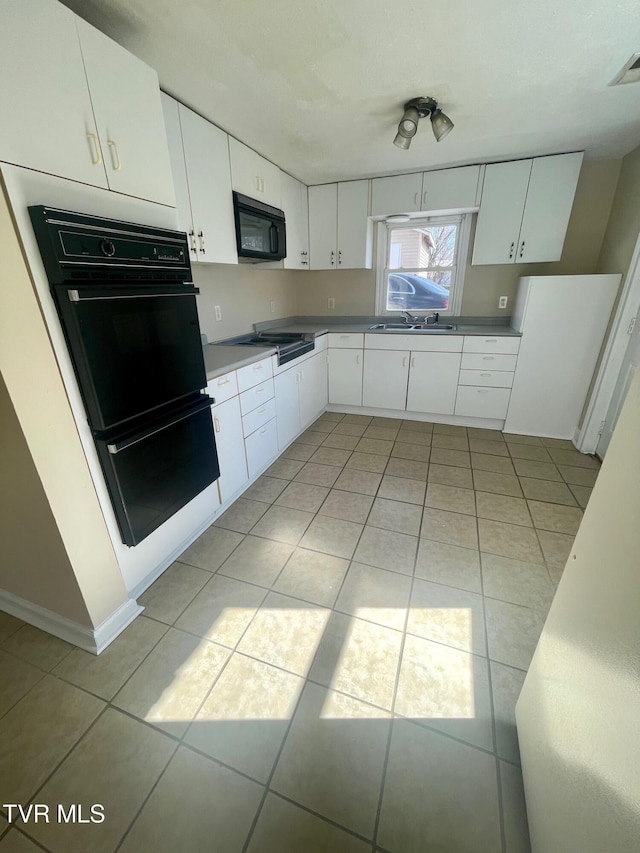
(35, 565)
(32, 379)
(624, 223)
(244, 293)
(354, 291)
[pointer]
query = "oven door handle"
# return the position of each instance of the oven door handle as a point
(95, 294)
(117, 446)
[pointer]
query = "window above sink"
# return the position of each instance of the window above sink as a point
(421, 265)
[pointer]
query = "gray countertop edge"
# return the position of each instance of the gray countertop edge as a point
(221, 358)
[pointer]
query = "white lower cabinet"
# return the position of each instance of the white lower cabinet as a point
(384, 384)
(313, 388)
(301, 395)
(287, 406)
(433, 382)
(227, 425)
(261, 447)
(475, 402)
(345, 376)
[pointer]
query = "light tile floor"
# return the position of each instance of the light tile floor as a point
(332, 666)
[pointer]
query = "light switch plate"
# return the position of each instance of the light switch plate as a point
(331, 302)
(218, 312)
(502, 302)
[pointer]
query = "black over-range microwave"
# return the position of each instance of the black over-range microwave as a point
(260, 230)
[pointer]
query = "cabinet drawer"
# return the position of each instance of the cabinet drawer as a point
(255, 373)
(254, 397)
(258, 417)
(415, 343)
(261, 447)
(484, 361)
(222, 388)
(491, 343)
(346, 341)
(476, 402)
(487, 378)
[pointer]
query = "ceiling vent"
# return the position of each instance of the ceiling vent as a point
(630, 73)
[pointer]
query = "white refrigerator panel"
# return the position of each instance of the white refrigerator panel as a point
(563, 320)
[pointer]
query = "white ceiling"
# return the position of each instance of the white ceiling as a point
(317, 86)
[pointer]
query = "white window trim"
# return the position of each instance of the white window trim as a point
(462, 254)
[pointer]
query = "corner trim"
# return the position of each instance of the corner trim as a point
(94, 640)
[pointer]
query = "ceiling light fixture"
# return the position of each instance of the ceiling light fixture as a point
(414, 110)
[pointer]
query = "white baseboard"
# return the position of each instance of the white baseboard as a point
(453, 420)
(93, 640)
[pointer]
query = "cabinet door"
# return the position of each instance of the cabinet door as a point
(313, 388)
(450, 189)
(294, 204)
(355, 231)
(552, 187)
(262, 448)
(501, 208)
(433, 382)
(384, 383)
(345, 376)
(398, 194)
(126, 103)
(207, 163)
(254, 176)
(170, 109)
(323, 226)
(287, 406)
(227, 425)
(46, 117)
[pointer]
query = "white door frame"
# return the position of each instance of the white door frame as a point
(587, 436)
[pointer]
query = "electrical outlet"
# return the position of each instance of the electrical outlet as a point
(502, 302)
(331, 302)
(218, 312)
(272, 306)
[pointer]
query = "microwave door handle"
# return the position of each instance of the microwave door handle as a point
(118, 446)
(273, 239)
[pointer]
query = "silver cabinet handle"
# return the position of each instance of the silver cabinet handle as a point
(511, 250)
(224, 381)
(482, 390)
(358, 359)
(201, 239)
(261, 411)
(264, 431)
(192, 243)
(257, 367)
(115, 156)
(339, 257)
(333, 258)
(521, 248)
(424, 199)
(415, 199)
(216, 424)
(488, 358)
(491, 340)
(404, 361)
(259, 390)
(413, 362)
(96, 153)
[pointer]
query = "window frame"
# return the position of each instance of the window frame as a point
(385, 229)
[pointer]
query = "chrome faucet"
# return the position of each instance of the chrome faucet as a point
(420, 321)
(434, 318)
(409, 318)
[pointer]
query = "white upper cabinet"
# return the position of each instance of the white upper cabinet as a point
(525, 209)
(450, 189)
(355, 230)
(296, 214)
(254, 176)
(398, 194)
(340, 232)
(46, 120)
(128, 113)
(200, 164)
(445, 189)
(323, 226)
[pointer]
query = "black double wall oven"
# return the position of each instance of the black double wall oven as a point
(127, 306)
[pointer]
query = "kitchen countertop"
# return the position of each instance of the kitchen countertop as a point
(462, 329)
(221, 358)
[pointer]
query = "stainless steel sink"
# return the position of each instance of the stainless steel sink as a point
(407, 327)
